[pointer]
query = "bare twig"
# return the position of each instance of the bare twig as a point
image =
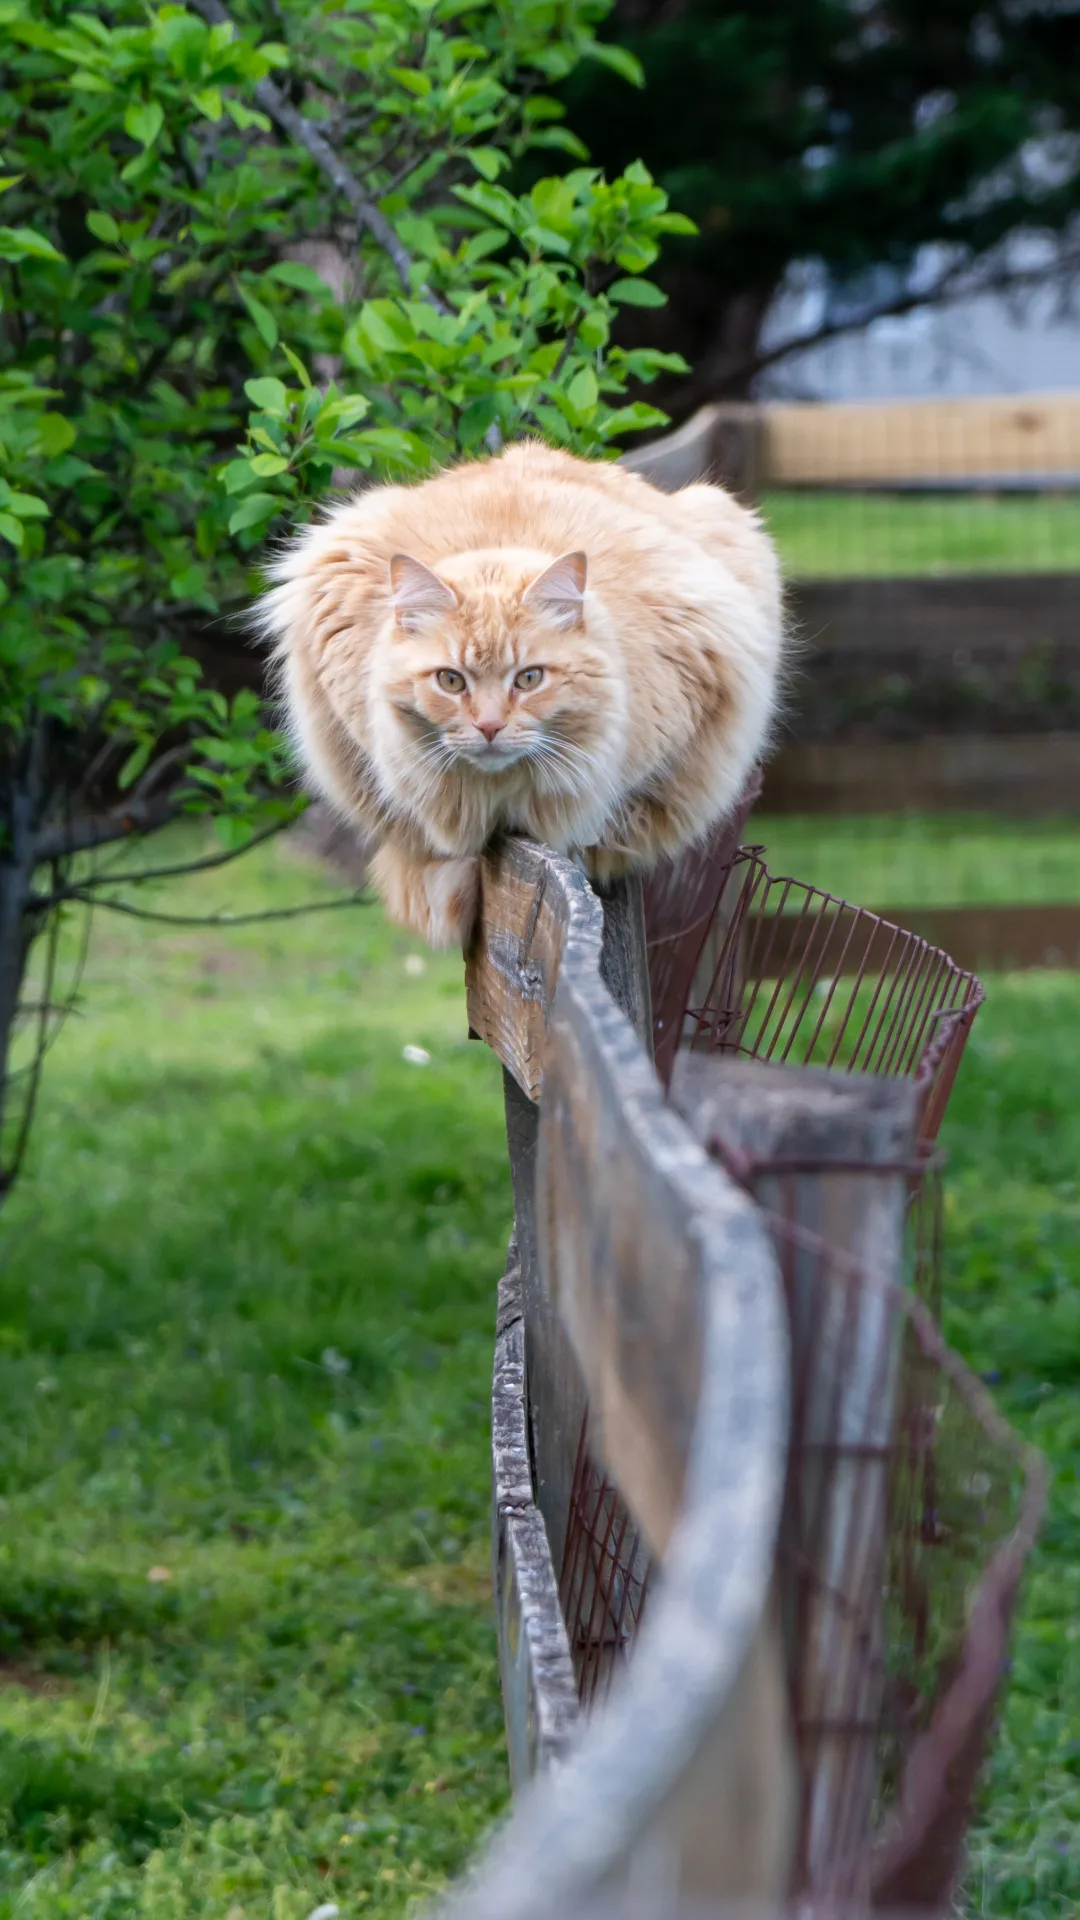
(718, 374)
(358, 899)
(82, 889)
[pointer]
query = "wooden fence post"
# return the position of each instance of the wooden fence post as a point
(830, 1156)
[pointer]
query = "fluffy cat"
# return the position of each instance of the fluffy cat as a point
(534, 642)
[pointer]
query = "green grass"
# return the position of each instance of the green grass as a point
(1013, 1309)
(246, 1319)
(927, 859)
(840, 534)
(246, 1314)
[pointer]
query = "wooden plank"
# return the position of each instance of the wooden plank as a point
(980, 939)
(877, 442)
(669, 1293)
(986, 939)
(1037, 773)
(523, 930)
(870, 442)
(555, 1391)
(539, 1694)
(722, 443)
(955, 620)
(846, 1140)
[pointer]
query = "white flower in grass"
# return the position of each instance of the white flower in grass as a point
(416, 1056)
(414, 965)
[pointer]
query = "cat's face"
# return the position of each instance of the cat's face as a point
(489, 664)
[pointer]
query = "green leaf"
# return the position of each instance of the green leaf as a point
(475, 420)
(103, 227)
(26, 505)
(619, 59)
(266, 464)
(144, 120)
(412, 80)
(637, 293)
(674, 223)
(386, 326)
(254, 511)
(135, 764)
(11, 529)
(262, 316)
(488, 161)
(583, 392)
(209, 102)
(298, 367)
(268, 395)
(238, 475)
(25, 243)
(293, 273)
(245, 117)
(633, 419)
(54, 434)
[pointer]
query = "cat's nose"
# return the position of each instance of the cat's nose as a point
(489, 728)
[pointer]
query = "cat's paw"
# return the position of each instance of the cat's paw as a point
(452, 894)
(607, 864)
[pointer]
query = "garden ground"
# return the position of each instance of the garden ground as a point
(246, 1309)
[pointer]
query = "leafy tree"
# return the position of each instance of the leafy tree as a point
(854, 132)
(244, 255)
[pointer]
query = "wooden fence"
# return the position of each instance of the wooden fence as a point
(651, 1372)
(990, 632)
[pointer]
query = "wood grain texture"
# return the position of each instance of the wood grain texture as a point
(1022, 774)
(537, 1675)
(527, 924)
(988, 437)
(847, 1141)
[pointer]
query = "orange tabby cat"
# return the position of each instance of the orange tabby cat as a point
(534, 642)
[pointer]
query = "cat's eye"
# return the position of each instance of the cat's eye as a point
(450, 680)
(529, 678)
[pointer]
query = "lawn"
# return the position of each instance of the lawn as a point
(926, 859)
(246, 1318)
(823, 534)
(246, 1311)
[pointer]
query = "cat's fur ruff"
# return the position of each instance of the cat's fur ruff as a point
(656, 619)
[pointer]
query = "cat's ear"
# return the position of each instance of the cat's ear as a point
(416, 592)
(559, 592)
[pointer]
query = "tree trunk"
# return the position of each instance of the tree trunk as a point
(22, 798)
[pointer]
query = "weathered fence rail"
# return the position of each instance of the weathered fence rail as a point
(645, 1287)
(943, 688)
(720, 1423)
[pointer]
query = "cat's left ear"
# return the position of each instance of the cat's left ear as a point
(559, 592)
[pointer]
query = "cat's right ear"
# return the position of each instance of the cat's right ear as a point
(416, 593)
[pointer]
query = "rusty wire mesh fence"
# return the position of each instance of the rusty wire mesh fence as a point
(899, 1560)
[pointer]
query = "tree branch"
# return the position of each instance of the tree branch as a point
(355, 899)
(178, 872)
(960, 283)
(99, 830)
(307, 135)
